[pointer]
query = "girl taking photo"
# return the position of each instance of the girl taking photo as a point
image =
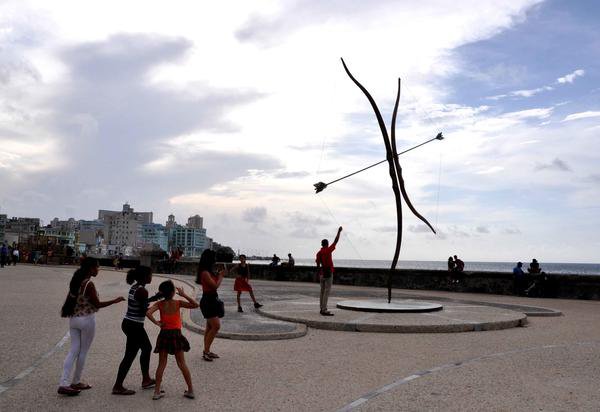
(211, 306)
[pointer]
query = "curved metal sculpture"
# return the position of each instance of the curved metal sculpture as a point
(395, 170)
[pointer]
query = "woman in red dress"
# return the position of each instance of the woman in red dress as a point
(242, 273)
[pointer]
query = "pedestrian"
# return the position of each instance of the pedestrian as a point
(241, 284)
(325, 268)
(3, 255)
(133, 328)
(15, 255)
(80, 307)
(211, 306)
(170, 341)
(520, 281)
(291, 261)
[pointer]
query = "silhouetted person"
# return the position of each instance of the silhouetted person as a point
(291, 261)
(520, 280)
(3, 255)
(275, 260)
(325, 267)
(534, 267)
(459, 265)
(451, 264)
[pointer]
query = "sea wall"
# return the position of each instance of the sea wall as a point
(500, 283)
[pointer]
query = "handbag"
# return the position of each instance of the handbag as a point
(220, 308)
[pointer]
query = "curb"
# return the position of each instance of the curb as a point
(388, 328)
(301, 329)
(536, 311)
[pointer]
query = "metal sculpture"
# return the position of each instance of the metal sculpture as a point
(395, 170)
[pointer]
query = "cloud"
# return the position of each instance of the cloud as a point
(511, 231)
(255, 214)
(490, 170)
(570, 78)
(290, 175)
(303, 219)
(419, 229)
(556, 164)
(482, 229)
(456, 231)
(581, 115)
(305, 233)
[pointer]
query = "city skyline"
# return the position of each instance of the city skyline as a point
(235, 112)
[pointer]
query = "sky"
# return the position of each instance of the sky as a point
(233, 110)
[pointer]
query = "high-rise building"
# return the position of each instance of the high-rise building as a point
(155, 234)
(192, 241)
(171, 223)
(195, 222)
(123, 229)
(91, 232)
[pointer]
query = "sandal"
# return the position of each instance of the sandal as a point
(213, 355)
(81, 386)
(123, 391)
(206, 357)
(189, 394)
(67, 390)
(149, 385)
(158, 396)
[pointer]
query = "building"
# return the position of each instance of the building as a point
(18, 229)
(91, 233)
(70, 224)
(3, 219)
(123, 229)
(195, 222)
(63, 237)
(192, 241)
(155, 234)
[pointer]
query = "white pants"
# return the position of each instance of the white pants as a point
(82, 330)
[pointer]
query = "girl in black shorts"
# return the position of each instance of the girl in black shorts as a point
(210, 304)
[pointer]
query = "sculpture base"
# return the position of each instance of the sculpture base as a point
(400, 306)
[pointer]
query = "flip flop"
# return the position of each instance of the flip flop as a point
(213, 355)
(158, 396)
(124, 392)
(207, 357)
(152, 384)
(189, 395)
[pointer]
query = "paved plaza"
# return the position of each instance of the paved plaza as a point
(284, 358)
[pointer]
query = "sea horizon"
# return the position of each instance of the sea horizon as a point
(548, 267)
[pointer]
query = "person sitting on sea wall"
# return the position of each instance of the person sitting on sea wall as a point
(451, 264)
(274, 261)
(534, 267)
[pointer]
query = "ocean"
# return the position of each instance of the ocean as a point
(558, 268)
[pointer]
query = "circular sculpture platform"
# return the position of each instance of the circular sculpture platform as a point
(398, 306)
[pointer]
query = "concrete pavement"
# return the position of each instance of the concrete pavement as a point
(551, 364)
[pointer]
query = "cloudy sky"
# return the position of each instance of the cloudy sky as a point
(233, 110)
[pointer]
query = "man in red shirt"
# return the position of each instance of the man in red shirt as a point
(325, 268)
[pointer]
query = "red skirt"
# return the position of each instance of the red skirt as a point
(241, 285)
